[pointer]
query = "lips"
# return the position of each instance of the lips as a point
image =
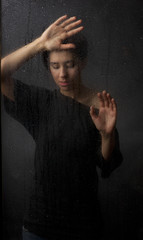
(64, 84)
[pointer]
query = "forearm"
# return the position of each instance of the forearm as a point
(15, 60)
(51, 39)
(107, 145)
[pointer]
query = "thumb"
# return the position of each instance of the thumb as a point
(93, 113)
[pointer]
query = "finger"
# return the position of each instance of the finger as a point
(74, 31)
(59, 20)
(67, 46)
(105, 98)
(114, 106)
(73, 25)
(109, 100)
(101, 101)
(69, 20)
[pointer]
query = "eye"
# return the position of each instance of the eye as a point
(70, 64)
(54, 65)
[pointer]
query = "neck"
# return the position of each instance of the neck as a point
(74, 93)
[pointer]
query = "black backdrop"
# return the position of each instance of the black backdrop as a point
(114, 32)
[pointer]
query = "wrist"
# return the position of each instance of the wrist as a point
(107, 144)
(43, 45)
(107, 136)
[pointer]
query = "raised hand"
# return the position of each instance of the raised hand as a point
(105, 121)
(61, 29)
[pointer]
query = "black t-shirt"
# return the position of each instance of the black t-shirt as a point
(64, 198)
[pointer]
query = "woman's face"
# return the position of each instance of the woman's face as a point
(65, 68)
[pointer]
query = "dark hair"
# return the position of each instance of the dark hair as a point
(80, 50)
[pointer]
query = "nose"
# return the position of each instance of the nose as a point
(63, 72)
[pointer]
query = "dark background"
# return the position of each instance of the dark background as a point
(114, 32)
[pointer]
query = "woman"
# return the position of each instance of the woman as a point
(74, 131)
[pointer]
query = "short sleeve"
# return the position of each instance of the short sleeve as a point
(107, 167)
(28, 105)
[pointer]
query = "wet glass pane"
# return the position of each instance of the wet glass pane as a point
(69, 170)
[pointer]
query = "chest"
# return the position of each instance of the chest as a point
(67, 122)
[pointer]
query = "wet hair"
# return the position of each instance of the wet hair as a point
(80, 50)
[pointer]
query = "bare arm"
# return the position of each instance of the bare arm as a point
(12, 62)
(51, 39)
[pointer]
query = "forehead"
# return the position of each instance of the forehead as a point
(61, 56)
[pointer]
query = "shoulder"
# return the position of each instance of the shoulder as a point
(30, 95)
(30, 89)
(92, 98)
